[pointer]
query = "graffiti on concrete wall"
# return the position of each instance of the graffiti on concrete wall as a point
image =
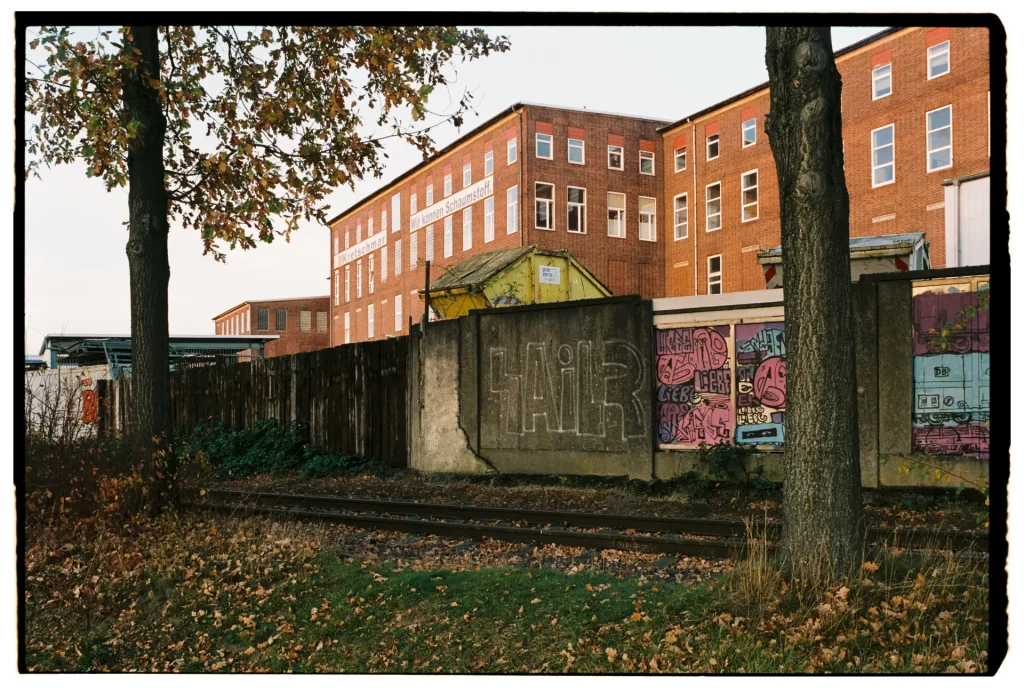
(694, 385)
(951, 380)
(761, 383)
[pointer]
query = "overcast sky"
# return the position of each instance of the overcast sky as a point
(76, 271)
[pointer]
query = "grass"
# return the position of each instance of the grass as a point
(193, 593)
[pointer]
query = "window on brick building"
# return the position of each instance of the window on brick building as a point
(447, 184)
(281, 320)
(369, 227)
(489, 219)
(512, 151)
(488, 163)
(940, 138)
(337, 288)
(348, 327)
(370, 276)
(648, 219)
(614, 157)
(305, 320)
(321, 322)
(647, 162)
(414, 250)
(576, 151)
(682, 217)
(749, 132)
(576, 210)
(428, 251)
(467, 229)
(544, 148)
(544, 206)
(713, 207)
(370, 321)
(347, 239)
(396, 212)
(938, 60)
(715, 274)
(748, 195)
(336, 243)
(712, 147)
(359, 278)
(881, 81)
(448, 236)
(398, 257)
(348, 287)
(384, 263)
(384, 220)
(467, 175)
(359, 232)
(398, 312)
(883, 156)
(412, 203)
(616, 215)
(680, 159)
(430, 195)
(512, 210)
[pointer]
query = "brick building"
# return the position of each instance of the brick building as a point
(563, 179)
(915, 114)
(301, 323)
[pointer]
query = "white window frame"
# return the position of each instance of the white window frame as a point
(429, 195)
(448, 232)
(551, 206)
(396, 212)
(685, 225)
(467, 175)
(707, 208)
(891, 163)
(550, 139)
(337, 287)
(646, 156)
(582, 146)
(875, 76)
(413, 200)
(581, 208)
(512, 151)
(428, 251)
(675, 159)
(929, 55)
(447, 185)
(489, 219)
(622, 157)
(414, 250)
(359, 232)
(488, 163)
(467, 229)
(384, 220)
(398, 312)
(369, 227)
(927, 137)
(348, 328)
(621, 215)
(359, 279)
(757, 203)
(512, 210)
(348, 284)
(748, 125)
(369, 276)
(347, 239)
(718, 147)
(336, 243)
(398, 257)
(384, 264)
(714, 278)
(370, 325)
(653, 222)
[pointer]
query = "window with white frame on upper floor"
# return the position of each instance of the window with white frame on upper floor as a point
(370, 326)
(348, 328)
(384, 220)
(488, 163)
(883, 156)
(467, 228)
(647, 162)
(448, 240)
(512, 210)
(398, 312)
(369, 227)
(749, 195)
(544, 146)
(712, 147)
(489, 219)
(396, 212)
(467, 174)
(713, 207)
(398, 257)
(384, 264)
(682, 217)
(749, 132)
(544, 206)
(576, 151)
(370, 276)
(348, 285)
(576, 210)
(615, 157)
(413, 250)
(359, 278)
(648, 219)
(359, 232)
(881, 81)
(429, 195)
(616, 215)
(412, 203)
(512, 151)
(336, 244)
(680, 159)
(428, 251)
(337, 288)
(940, 138)
(715, 274)
(347, 240)
(938, 60)
(447, 184)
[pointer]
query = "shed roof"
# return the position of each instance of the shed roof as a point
(477, 270)
(896, 242)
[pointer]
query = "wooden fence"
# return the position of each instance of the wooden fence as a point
(352, 397)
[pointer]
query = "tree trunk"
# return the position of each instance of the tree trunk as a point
(150, 427)
(822, 532)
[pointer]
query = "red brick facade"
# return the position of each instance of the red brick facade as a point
(305, 327)
(912, 202)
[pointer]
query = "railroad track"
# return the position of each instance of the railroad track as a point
(717, 538)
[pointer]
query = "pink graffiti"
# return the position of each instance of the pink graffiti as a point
(710, 423)
(770, 383)
(709, 352)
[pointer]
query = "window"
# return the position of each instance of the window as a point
(512, 210)
(748, 195)
(488, 219)
(335, 244)
(544, 206)
(359, 232)
(749, 130)
(281, 320)
(369, 227)
(544, 148)
(370, 277)
(682, 221)
(348, 287)
(467, 175)
(467, 228)
(940, 138)
(712, 147)
(881, 81)
(369, 321)
(305, 320)
(715, 274)
(647, 162)
(713, 204)
(396, 212)
(398, 312)
(348, 326)
(883, 156)
(512, 151)
(680, 159)
(428, 252)
(488, 163)
(448, 236)
(384, 220)
(384, 263)
(321, 322)
(337, 288)
(430, 195)
(359, 278)
(576, 151)
(398, 257)
(447, 184)
(616, 215)
(576, 203)
(412, 203)
(414, 250)
(648, 218)
(347, 242)
(938, 60)
(262, 319)
(614, 157)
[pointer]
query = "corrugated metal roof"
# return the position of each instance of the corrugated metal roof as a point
(479, 269)
(871, 242)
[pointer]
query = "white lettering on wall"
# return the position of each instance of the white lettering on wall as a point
(447, 207)
(360, 249)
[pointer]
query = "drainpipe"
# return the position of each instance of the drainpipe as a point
(693, 147)
(956, 226)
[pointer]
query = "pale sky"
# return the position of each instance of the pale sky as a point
(76, 271)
